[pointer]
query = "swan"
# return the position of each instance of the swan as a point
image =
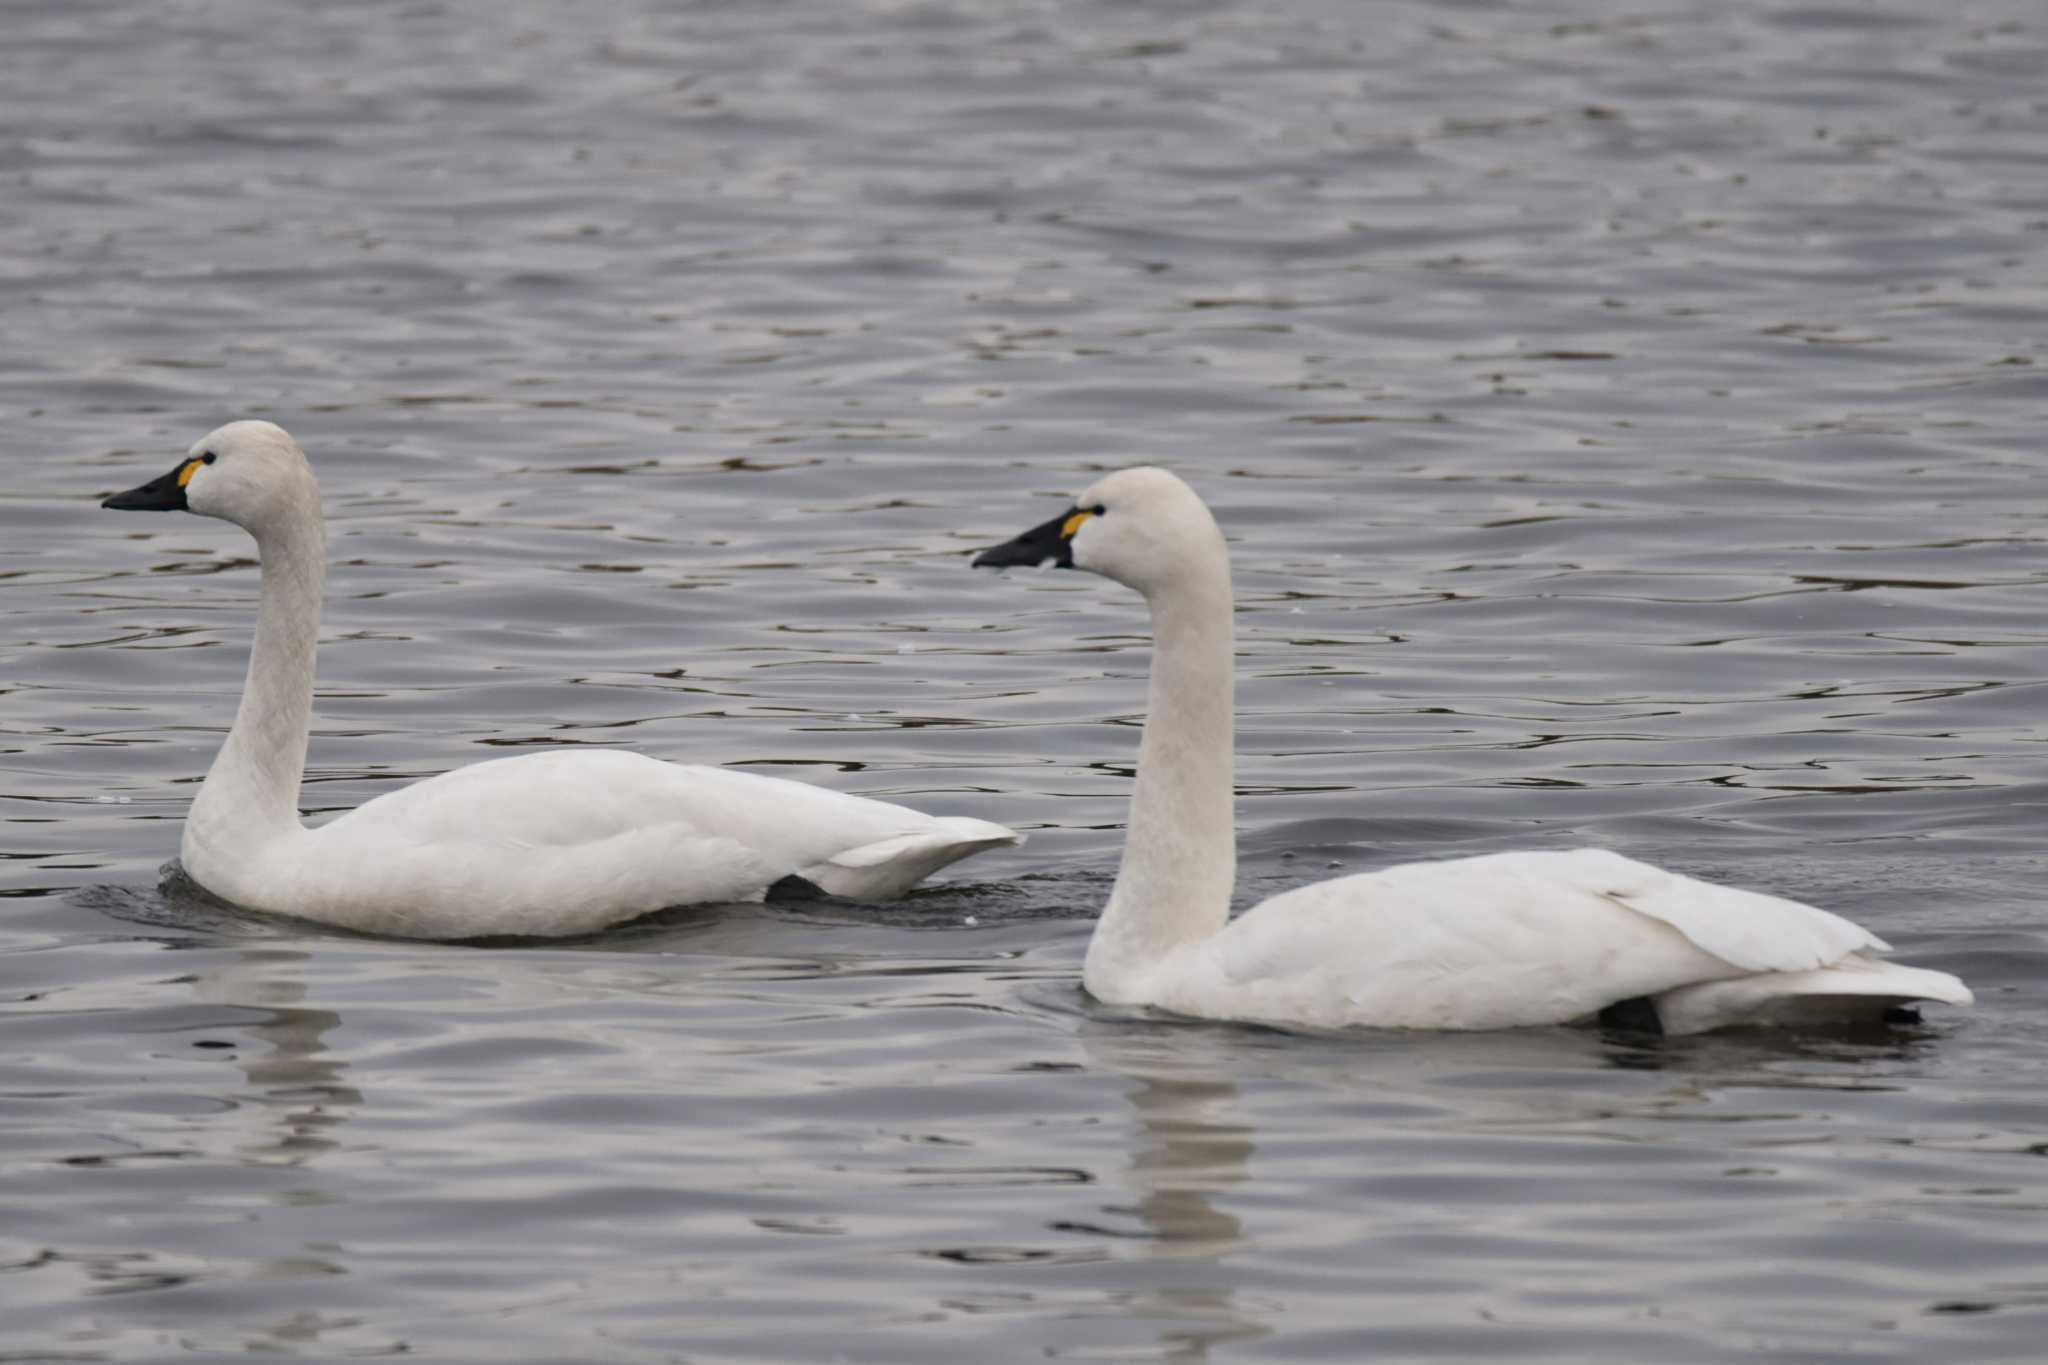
(1497, 941)
(548, 843)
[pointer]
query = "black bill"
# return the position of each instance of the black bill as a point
(165, 494)
(1051, 543)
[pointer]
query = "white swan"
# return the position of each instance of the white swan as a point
(1473, 943)
(549, 843)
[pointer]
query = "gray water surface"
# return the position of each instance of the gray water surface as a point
(1628, 422)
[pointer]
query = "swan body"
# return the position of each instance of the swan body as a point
(568, 841)
(1497, 941)
(555, 842)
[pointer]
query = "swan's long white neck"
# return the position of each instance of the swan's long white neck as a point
(251, 793)
(1180, 851)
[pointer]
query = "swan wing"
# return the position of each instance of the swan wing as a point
(1748, 929)
(1501, 940)
(546, 800)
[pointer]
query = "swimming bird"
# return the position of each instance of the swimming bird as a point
(1495, 941)
(555, 842)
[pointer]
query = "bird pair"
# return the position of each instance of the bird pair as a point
(569, 841)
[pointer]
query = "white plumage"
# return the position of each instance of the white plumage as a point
(569, 841)
(547, 843)
(1498, 941)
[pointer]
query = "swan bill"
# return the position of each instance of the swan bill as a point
(163, 494)
(1051, 543)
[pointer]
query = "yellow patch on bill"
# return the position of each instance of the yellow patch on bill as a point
(1073, 524)
(187, 470)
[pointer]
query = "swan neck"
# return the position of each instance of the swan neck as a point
(1180, 850)
(251, 792)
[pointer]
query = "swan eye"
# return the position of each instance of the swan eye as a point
(208, 458)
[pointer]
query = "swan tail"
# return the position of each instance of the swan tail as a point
(887, 868)
(1857, 989)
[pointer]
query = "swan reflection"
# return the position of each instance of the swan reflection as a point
(1191, 1147)
(295, 1088)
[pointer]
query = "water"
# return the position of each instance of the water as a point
(1627, 419)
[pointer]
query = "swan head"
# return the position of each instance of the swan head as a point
(250, 473)
(1143, 527)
